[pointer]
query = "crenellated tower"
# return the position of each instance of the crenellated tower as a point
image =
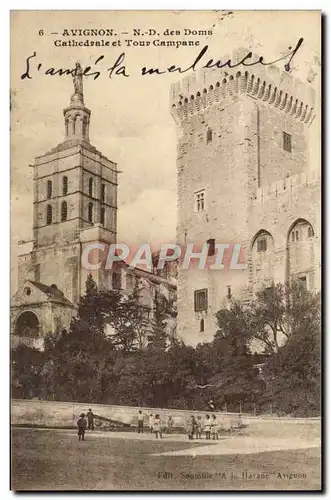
(241, 132)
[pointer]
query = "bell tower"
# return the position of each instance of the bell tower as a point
(75, 202)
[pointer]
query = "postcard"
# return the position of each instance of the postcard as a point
(165, 250)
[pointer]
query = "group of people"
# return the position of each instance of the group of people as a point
(82, 424)
(196, 427)
(154, 424)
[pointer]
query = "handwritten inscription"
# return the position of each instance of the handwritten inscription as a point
(118, 68)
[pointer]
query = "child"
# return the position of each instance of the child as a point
(207, 427)
(198, 428)
(190, 427)
(81, 424)
(214, 427)
(157, 426)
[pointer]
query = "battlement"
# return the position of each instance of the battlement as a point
(268, 84)
(285, 187)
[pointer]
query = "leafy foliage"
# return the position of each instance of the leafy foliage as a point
(113, 354)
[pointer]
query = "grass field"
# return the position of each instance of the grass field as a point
(55, 460)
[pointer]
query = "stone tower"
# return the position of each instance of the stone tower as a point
(74, 203)
(243, 176)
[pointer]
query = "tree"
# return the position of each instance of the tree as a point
(294, 373)
(78, 360)
(128, 319)
(157, 338)
(285, 320)
(26, 373)
(270, 319)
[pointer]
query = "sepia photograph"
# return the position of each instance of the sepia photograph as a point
(165, 311)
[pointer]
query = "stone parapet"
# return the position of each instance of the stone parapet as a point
(268, 84)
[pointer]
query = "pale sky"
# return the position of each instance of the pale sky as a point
(130, 121)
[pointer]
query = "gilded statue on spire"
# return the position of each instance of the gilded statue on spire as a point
(78, 95)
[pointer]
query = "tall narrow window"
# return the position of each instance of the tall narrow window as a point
(37, 272)
(49, 189)
(262, 245)
(65, 185)
(209, 135)
(102, 216)
(287, 142)
(202, 325)
(90, 186)
(211, 247)
(201, 300)
(200, 201)
(49, 214)
(64, 210)
(229, 292)
(90, 212)
(103, 192)
(85, 128)
(116, 281)
(303, 281)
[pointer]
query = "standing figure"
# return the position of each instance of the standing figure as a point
(214, 427)
(198, 427)
(140, 422)
(150, 422)
(81, 424)
(211, 405)
(157, 426)
(190, 427)
(207, 426)
(170, 424)
(90, 419)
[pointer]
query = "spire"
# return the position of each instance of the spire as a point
(77, 116)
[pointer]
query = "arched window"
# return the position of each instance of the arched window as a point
(102, 216)
(90, 212)
(85, 129)
(262, 261)
(49, 214)
(65, 185)
(27, 325)
(49, 189)
(90, 186)
(300, 253)
(103, 192)
(64, 210)
(202, 325)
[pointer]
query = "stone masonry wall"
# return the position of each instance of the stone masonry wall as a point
(250, 182)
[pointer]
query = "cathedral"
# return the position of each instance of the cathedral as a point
(246, 174)
(74, 205)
